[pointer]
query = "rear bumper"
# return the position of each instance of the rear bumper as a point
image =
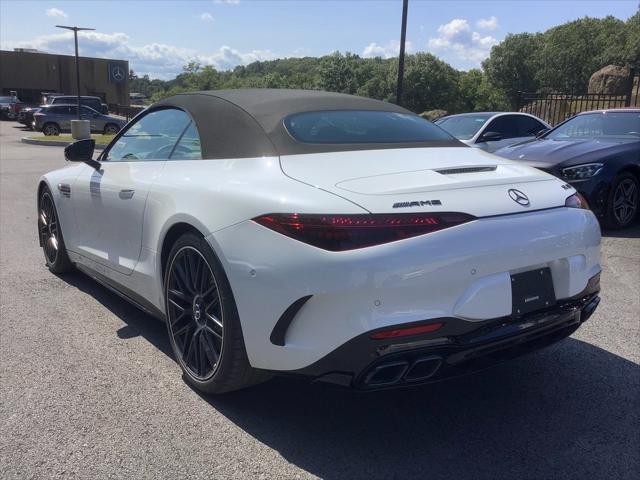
(461, 273)
(367, 364)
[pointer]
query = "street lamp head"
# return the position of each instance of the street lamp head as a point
(75, 29)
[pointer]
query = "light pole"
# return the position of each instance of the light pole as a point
(75, 38)
(403, 35)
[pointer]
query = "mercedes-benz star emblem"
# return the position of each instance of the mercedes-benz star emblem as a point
(519, 197)
(118, 73)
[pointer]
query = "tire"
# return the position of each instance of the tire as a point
(50, 232)
(202, 320)
(623, 202)
(111, 129)
(51, 129)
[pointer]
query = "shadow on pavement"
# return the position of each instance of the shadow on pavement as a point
(569, 411)
(137, 322)
(631, 232)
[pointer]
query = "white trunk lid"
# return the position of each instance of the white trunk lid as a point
(427, 179)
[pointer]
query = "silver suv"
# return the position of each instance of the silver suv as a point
(53, 119)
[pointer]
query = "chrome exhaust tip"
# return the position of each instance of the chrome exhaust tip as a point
(423, 368)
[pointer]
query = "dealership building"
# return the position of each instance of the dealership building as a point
(32, 73)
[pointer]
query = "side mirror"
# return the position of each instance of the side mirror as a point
(491, 137)
(96, 115)
(542, 132)
(82, 151)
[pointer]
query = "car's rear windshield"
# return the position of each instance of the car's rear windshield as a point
(464, 127)
(362, 126)
(7, 99)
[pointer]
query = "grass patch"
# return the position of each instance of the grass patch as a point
(100, 139)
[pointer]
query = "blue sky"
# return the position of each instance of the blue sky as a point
(158, 37)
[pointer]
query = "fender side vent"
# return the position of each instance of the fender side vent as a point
(282, 325)
(455, 171)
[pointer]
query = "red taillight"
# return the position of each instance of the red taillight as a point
(348, 232)
(576, 201)
(403, 332)
(16, 107)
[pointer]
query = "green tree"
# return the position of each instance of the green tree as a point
(513, 64)
(337, 73)
(571, 52)
(632, 47)
(429, 83)
(479, 95)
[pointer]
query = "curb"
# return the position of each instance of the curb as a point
(53, 143)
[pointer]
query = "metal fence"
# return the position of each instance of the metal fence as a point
(557, 107)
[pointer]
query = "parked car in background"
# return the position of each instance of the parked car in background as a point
(492, 130)
(597, 153)
(9, 107)
(25, 116)
(54, 119)
(91, 102)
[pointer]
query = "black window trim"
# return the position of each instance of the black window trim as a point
(105, 153)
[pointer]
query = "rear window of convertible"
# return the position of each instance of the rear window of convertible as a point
(362, 126)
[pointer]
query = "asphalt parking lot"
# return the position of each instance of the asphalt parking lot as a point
(89, 388)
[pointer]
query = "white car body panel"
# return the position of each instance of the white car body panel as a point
(400, 176)
(109, 206)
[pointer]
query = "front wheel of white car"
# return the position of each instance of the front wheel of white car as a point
(50, 231)
(202, 320)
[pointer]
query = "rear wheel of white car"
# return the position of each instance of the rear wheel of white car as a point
(50, 233)
(111, 129)
(202, 319)
(50, 129)
(624, 201)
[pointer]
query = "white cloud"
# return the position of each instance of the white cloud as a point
(226, 57)
(206, 17)
(158, 60)
(391, 49)
(228, 2)
(458, 44)
(490, 23)
(56, 13)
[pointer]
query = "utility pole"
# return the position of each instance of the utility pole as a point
(403, 35)
(75, 37)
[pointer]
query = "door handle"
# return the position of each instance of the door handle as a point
(126, 194)
(64, 189)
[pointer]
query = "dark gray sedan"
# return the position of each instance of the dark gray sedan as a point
(54, 119)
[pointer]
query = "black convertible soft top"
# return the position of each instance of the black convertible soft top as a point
(249, 122)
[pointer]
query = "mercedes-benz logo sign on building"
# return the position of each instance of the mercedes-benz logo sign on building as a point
(117, 72)
(519, 197)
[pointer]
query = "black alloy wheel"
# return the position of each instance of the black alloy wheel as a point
(50, 234)
(195, 314)
(111, 129)
(624, 201)
(48, 226)
(51, 129)
(202, 319)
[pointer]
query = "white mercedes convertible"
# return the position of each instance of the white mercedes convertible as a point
(322, 235)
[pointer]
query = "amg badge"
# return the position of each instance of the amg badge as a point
(421, 203)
